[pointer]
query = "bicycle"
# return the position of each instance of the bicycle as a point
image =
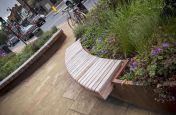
(78, 16)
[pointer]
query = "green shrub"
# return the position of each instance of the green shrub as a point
(53, 29)
(169, 8)
(135, 24)
(79, 31)
(11, 62)
(3, 37)
(39, 33)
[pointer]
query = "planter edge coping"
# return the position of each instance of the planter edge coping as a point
(30, 60)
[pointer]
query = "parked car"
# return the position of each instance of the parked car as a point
(39, 20)
(13, 40)
(29, 31)
(4, 50)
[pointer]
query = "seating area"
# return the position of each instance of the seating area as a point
(91, 72)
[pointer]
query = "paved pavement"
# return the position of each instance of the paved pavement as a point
(51, 91)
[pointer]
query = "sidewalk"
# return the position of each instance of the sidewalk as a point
(51, 91)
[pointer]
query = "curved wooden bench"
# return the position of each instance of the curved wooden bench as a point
(91, 72)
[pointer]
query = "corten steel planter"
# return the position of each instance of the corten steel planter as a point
(143, 96)
(4, 84)
(139, 94)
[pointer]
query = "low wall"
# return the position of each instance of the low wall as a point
(142, 96)
(59, 35)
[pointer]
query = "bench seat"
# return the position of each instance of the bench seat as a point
(91, 72)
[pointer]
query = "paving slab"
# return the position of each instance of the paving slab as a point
(84, 102)
(73, 91)
(71, 112)
(136, 111)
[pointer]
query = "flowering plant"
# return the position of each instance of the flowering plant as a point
(157, 66)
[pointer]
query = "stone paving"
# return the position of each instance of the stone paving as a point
(51, 91)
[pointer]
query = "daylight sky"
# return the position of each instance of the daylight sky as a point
(4, 4)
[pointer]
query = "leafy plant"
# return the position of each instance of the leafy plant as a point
(39, 33)
(3, 37)
(135, 24)
(11, 62)
(169, 8)
(131, 26)
(79, 31)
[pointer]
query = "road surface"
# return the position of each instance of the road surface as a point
(54, 19)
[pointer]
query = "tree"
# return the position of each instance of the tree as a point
(3, 37)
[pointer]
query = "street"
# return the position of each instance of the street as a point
(54, 19)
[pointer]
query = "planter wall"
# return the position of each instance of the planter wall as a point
(142, 96)
(4, 84)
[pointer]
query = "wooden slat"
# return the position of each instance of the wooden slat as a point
(108, 77)
(70, 56)
(98, 81)
(73, 51)
(80, 63)
(104, 71)
(106, 91)
(94, 72)
(85, 68)
(97, 73)
(75, 60)
(74, 46)
(94, 69)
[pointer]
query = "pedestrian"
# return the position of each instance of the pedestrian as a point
(81, 6)
(69, 4)
(78, 3)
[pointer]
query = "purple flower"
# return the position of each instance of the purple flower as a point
(156, 51)
(2, 53)
(165, 45)
(133, 65)
(104, 51)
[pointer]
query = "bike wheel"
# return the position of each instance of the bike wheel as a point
(71, 22)
(81, 18)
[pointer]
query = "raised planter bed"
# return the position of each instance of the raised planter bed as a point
(143, 96)
(135, 92)
(14, 75)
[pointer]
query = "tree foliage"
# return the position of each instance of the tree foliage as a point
(3, 37)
